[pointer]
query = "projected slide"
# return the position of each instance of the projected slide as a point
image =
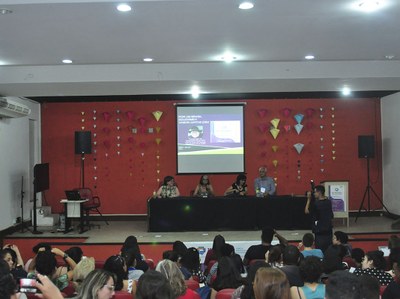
(210, 139)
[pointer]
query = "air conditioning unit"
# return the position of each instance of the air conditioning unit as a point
(11, 108)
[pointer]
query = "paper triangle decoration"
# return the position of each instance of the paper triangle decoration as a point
(299, 117)
(287, 128)
(286, 112)
(130, 115)
(106, 116)
(310, 111)
(299, 147)
(262, 112)
(262, 128)
(157, 114)
(274, 132)
(158, 129)
(275, 162)
(107, 144)
(298, 128)
(275, 122)
(142, 120)
(275, 148)
(158, 140)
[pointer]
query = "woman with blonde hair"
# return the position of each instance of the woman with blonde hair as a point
(271, 283)
(99, 284)
(173, 274)
(82, 269)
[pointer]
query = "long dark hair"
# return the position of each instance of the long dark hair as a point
(248, 292)
(115, 264)
(201, 180)
(228, 276)
(218, 242)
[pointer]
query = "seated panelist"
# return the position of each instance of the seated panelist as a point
(238, 188)
(168, 189)
(204, 188)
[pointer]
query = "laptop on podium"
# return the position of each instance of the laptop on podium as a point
(73, 195)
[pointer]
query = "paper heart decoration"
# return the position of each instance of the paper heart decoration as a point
(83, 128)
(106, 130)
(287, 128)
(82, 112)
(275, 122)
(322, 170)
(333, 144)
(275, 148)
(130, 115)
(142, 120)
(106, 116)
(262, 112)
(333, 124)
(334, 158)
(310, 112)
(158, 157)
(333, 152)
(333, 115)
(322, 138)
(333, 108)
(262, 128)
(333, 138)
(274, 132)
(299, 118)
(94, 117)
(107, 144)
(286, 112)
(321, 109)
(333, 131)
(321, 127)
(157, 114)
(299, 147)
(321, 116)
(298, 128)
(95, 126)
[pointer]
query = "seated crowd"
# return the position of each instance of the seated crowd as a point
(269, 270)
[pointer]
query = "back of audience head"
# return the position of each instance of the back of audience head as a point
(374, 259)
(291, 255)
(191, 259)
(275, 254)
(45, 246)
(369, 287)
(179, 247)
(116, 264)
(248, 291)
(340, 237)
(170, 255)
(174, 275)
(308, 240)
(129, 256)
(227, 250)
(83, 268)
(393, 242)
(96, 282)
(310, 269)
(7, 282)
(271, 283)
(75, 253)
(357, 255)
(153, 285)
(237, 260)
(267, 235)
(342, 285)
(332, 260)
(218, 242)
(228, 275)
(46, 263)
(131, 242)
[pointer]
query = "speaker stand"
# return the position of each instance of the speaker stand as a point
(82, 170)
(367, 194)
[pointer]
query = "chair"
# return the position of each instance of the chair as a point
(150, 263)
(93, 204)
(224, 294)
(123, 295)
(192, 284)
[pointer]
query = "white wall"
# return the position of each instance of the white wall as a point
(390, 115)
(15, 159)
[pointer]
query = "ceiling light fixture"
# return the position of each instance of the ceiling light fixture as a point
(123, 7)
(309, 57)
(67, 61)
(148, 59)
(246, 5)
(369, 5)
(195, 92)
(346, 91)
(389, 57)
(228, 57)
(5, 11)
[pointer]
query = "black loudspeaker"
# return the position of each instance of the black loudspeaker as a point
(83, 142)
(366, 146)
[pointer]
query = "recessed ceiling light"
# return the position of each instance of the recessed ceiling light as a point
(346, 91)
(389, 57)
(246, 5)
(5, 11)
(369, 5)
(195, 92)
(124, 7)
(148, 59)
(228, 57)
(309, 57)
(67, 61)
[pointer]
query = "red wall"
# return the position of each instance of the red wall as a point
(125, 181)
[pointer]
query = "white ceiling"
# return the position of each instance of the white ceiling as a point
(186, 37)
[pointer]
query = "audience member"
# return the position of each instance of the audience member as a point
(204, 188)
(332, 261)
(264, 185)
(341, 238)
(82, 269)
(357, 254)
(322, 215)
(310, 272)
(274, 256)
(131, 244)
(374, 264)
(168, 189)
(130, 259)
(154, 285)
(238, 188)
(393, 242)
(369, 287)
(392, 291)
(75, 253)
(190, 265)
(35, 250)
(11, 255)
(175, 278)
(215, 252)
(271, 283)
(8, 285)
(342, 285)
(226, 250)
(99, 284)
(47, 288)
(291, 258)
(180, 248)
(257, 252)
(170, 255)
(228, 277)
(245, 291)
(116, 265)
(308, 250)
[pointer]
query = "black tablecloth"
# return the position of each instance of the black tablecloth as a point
(226, 213)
